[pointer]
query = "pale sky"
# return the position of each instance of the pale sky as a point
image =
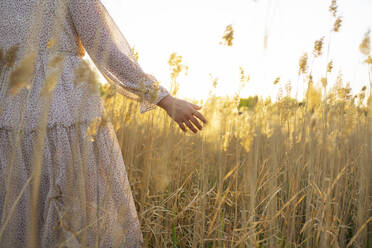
(193, 29)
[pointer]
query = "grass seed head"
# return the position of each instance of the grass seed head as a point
(22, 75)
(243, 77)
(277, 80)
(365, 46)
(228, 35)
(288, 88)
(330, 66)
(337, 24)
(54, 72)
(333, 8)
(303, 64)
(318, 47)
(368, 60)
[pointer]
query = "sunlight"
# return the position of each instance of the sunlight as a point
(193, 29)
(277, 154)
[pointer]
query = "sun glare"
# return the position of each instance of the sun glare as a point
(269, 38)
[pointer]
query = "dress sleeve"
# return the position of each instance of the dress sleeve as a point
(112, 55)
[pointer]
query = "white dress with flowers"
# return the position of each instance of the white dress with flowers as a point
(80, 184)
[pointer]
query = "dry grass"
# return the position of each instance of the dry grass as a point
(271, 174)
(286, 174)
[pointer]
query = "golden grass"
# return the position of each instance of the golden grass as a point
(270, 174)
(287, 174)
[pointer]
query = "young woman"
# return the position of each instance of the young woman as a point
(58, 188)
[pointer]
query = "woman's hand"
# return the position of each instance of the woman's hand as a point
(183, 112)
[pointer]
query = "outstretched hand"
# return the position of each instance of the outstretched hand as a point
(183, 112)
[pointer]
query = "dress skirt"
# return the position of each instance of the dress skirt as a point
(84, 197)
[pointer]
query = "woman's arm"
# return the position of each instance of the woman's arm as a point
(112, 54)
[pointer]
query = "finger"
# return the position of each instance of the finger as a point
(200, 116)
(182, 126)
(188, 123)
(197, 107)
(196, 122)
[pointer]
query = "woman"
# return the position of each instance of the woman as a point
(58, 187)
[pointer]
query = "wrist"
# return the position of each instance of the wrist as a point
(163, 103)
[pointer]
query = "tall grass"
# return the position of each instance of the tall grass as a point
(263, 173)
(283, 174)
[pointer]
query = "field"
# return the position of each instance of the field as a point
(263, 172)
(283, 174)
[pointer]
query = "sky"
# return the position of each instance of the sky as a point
(194, 28)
